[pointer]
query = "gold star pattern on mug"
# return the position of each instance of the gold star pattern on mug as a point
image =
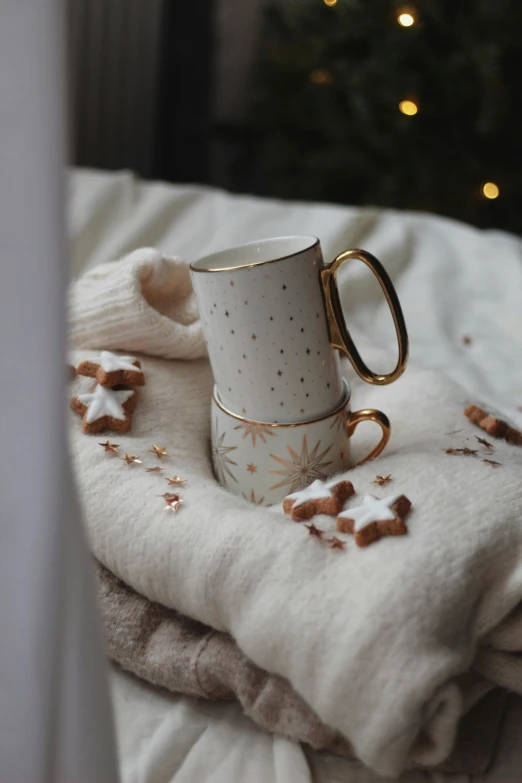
(251, 468)
(255, 430)
(220, 451)
(339, 421)
(253, 499)
(301, 469)
(246, 318)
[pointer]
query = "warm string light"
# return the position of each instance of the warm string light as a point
(406, 19)
(321, 77)
(490, 190)
(408, 107)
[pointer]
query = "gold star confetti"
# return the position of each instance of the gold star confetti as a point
(484, 442)
(492, 463)
(335, 543)
(314, 531)
(466, 340)
(173, 505)
(251, 468)
(383, 480)
(108, 446)
(129, 459)
(157, 469)
(159, 451)
(465, 451)
(168, 496)
(176, 480)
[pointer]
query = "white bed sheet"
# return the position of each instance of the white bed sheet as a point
(452, 280)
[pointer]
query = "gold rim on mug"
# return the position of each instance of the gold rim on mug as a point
(255, 263)
(338, 409)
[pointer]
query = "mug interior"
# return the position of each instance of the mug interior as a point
(253, 253)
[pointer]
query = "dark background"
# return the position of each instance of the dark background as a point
(300, 100)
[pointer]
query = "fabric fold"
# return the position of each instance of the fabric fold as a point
(174, 652)
(145, 303)
(184, 656)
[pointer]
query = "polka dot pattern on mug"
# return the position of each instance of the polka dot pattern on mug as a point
(267, 338)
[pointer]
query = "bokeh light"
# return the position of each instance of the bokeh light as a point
(321, 76)
(408, 107)
(406, 19)
(490, 190)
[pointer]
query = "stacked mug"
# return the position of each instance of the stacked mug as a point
(274, 327)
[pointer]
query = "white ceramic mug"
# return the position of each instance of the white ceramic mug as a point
(264, 462)
(272, 320)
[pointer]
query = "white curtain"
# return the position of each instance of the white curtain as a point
(55, 714)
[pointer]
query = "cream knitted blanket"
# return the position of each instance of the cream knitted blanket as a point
(377, 641)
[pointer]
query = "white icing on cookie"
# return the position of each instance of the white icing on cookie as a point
(111, 363)
(105, 402)
(370, 510)
(316, 491)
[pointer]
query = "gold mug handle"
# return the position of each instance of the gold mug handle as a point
(339, 334)
(370, 414)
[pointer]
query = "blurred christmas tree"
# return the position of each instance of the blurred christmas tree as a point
(375, 102)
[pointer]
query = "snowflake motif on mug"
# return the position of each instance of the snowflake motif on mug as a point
(339, 421)
(220, 456)
(303, 468)
(255, 430)
(252, 498)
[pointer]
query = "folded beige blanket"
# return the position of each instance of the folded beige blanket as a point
(375, 641)
(170, 650)
(174, 652)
